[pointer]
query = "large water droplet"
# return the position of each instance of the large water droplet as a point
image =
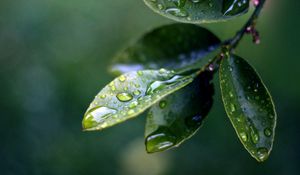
(97, 116)
(124, 97)
(160, 85)
(160, 140)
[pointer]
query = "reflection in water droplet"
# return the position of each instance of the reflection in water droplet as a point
(124, 97)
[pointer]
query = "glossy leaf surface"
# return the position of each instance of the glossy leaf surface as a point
(249, 106)
(177, 117)
(129, 95)
(199, 11)
(174, 46)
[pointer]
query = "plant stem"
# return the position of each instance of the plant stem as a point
(232, 43)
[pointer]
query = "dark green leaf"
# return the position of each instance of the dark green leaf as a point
(131, 94)
(249, 106)
(177, 117)
(172, 46)
(199, 11)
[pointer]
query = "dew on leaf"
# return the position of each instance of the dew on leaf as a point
(162, 104)
(124, 97)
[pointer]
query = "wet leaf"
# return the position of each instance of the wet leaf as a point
(199, 11)
(129, 95)
(177, 117)
(249, 106)
(174, 46)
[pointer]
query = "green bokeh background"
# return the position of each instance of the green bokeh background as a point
(53, 60)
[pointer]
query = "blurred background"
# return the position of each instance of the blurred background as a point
(53, 60)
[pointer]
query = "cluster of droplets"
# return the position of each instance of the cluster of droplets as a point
(128, 95)
(177, 8)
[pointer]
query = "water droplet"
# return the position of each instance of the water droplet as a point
(162, 104)
(232, 108)
(136, 92)
(262, 153)
(254, 135)
(122, 78)
(162, 70)
(96, 117)
(160, 85)
(103, 96)
(130, 112)
(244, 136)
(268, 132)
(179, 3)
(160, 6)
(231, 94)
(112, 86)
(160, 140)
(140, 73)
(177, 12)
(133, 104)
(195, 1)
(124, 97)
(231, 8)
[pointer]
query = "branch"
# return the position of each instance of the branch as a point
(232, 43)
(248, 27)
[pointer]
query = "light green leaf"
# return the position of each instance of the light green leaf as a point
(249, 106)
(174, 46)
(129, 95)
(177, 117)
(199, 11)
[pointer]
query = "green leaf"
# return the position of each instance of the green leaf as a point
(177, 117)
(129, 95)
(198, 11)
(248, 105)
(174, 46)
